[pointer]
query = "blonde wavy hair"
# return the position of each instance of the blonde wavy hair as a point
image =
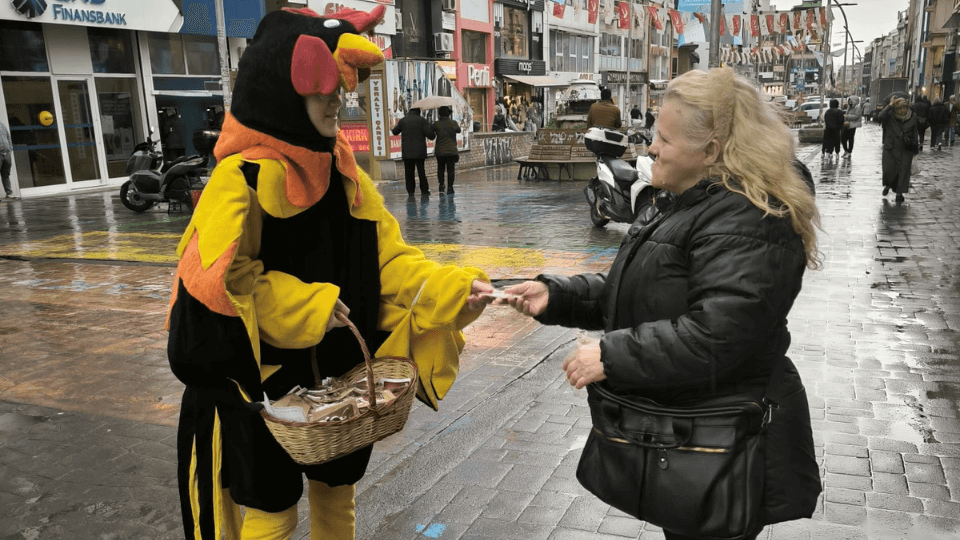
(756, 147)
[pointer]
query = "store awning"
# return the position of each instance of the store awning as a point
(538, 80)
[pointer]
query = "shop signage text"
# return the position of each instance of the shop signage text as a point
(94, 16)
(526, 67)
(378, 115)
(478, 76)
(620, 77)
(357, 135)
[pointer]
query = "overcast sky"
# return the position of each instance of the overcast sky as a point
(868, 20)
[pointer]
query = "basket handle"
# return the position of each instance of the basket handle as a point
(371, 383)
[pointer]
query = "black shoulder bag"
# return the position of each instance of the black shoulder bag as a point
(695, 469)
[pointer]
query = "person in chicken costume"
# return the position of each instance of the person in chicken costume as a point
(288, 237)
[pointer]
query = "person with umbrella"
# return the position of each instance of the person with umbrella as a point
(446, 149)
(413, 130)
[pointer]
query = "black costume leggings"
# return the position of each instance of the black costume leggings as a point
(448, 165)
(846, 139)
(408, 166)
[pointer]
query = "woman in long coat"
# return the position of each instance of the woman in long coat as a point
(900, 143)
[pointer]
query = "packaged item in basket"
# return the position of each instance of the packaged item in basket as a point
(396, 385)
(335, 412)
(290, 407)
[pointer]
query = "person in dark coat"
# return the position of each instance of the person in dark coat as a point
(921, 108)
(604, 113)
(832, 129)
(636, 117)
(414, 130)
(900, 145)
(939, 120)
(446, 151)
(696, 302)
(649, 119)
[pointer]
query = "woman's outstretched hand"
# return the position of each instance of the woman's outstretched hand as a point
(584, 366)
(529, 297)
(479, 296)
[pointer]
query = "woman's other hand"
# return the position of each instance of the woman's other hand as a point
(479, 296)
(339, 316)
(584, 367)
(529, 297)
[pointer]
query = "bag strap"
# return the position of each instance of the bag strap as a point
(772, 395)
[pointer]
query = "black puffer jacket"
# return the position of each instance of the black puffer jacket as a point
(412, 129)
(696, 302)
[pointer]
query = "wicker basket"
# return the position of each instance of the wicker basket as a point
(312, 443)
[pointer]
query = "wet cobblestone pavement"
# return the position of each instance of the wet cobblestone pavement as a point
(88, 406)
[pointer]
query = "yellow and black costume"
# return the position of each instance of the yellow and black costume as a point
(286, 225)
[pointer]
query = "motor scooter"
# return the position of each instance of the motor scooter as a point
(153, 181)
(619, 192)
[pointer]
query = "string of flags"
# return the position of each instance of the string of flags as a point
(799, 26)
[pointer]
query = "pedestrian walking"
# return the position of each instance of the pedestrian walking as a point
(939, 119)
(446, 149)
(921, 108)
(290, 240)
(900, 145)
(852, 119)
(414, 130)
(954, 115)
(649, 119)
(832, 126)
(695, 307)
(636, 116)
(6, 158)
(604, 113)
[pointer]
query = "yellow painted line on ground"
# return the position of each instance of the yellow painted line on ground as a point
(498, 262)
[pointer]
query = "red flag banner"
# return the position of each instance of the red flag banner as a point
(737, 25)
(700, 17)
(771, 26)
(755, 25)
(677, 22)
(783, 24)
(797, 20)
(558, 10)
(823, 17)
(811, 22)
(593, 9)
(652, 10)
(723, 26)
(623, 12)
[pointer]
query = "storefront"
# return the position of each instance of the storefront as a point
(82, 84)
(475, 68)
(519, 67)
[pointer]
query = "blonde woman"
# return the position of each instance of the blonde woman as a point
(696, 303)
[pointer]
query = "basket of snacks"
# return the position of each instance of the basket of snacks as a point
(343, 414)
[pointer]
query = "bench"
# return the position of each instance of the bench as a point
(538, 169)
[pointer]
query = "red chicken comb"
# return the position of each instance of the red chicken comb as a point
(361, 20)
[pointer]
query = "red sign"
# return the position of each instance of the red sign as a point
(358, 135)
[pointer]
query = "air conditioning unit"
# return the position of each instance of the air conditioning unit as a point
(443, 42)
(448, 5)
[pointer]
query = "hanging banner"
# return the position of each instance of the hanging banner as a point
(755, 25)
(558, 9)
(593, 9)
(823, 18)
(770, 25)
(675, 19)
(623, 13)
(783, 23)
(737, 25)
(654, 20)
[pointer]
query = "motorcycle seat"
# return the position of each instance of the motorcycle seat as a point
(623, 173)
(146, 181)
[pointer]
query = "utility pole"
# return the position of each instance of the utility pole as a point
(715, 13)
(224, 54)
(825, 51)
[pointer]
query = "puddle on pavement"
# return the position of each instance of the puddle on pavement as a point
(18, 421)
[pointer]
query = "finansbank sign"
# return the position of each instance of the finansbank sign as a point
(152, 15)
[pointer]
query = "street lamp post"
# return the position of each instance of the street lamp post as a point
(846, 36)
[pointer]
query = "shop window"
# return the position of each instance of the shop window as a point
(22, 47)
(166, 54)
(473, 47)
(111, 50)
(37, 153)
(514, 35)
(203, 55)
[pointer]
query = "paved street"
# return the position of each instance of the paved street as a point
(88, 406)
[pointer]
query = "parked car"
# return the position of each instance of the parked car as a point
(812, 108)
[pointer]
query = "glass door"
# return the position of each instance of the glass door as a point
(79, 132)
(36, 145)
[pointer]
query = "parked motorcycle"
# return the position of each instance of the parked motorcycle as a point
(619, 192)
(153, 181)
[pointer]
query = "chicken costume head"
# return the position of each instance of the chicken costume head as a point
(297, 53)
